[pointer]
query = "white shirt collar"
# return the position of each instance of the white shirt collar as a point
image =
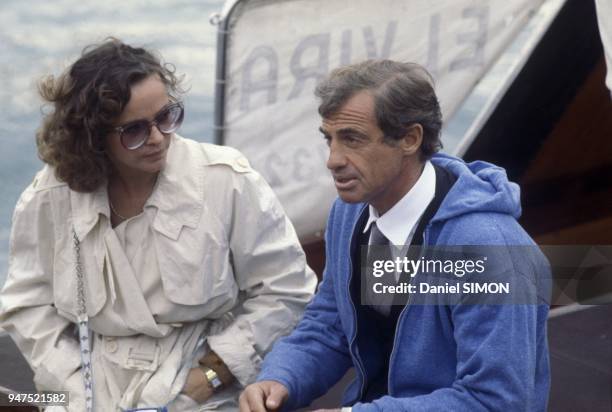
(398, 222)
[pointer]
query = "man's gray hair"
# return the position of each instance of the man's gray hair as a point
(403, 96)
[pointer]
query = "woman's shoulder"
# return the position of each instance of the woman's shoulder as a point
(40, 193)
(200, 167)
(212, 155)
(46, 179)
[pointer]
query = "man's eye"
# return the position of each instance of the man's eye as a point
(327, 139)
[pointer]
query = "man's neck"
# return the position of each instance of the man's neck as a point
(401, 186)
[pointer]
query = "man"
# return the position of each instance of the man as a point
(381, 120)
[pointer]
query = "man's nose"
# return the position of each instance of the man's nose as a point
(337, 157)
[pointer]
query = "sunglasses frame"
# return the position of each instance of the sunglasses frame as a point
(154, 122)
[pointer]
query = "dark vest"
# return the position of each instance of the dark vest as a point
(375, 331)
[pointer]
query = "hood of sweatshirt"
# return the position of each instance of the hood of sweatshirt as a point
(480, 187)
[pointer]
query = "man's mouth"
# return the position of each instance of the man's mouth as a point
(344, 182)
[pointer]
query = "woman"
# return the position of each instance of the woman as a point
(174, 256)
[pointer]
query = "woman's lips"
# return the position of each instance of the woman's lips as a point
(154, 155)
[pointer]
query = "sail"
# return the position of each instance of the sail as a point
(276, 51)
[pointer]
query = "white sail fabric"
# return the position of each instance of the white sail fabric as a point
(279, 49)
(604, 20)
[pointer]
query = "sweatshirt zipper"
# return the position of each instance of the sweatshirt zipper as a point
(399, 321)
(350, 298)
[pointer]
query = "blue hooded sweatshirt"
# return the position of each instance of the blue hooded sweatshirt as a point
(453, 357)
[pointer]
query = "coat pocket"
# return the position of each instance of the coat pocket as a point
(196, 267)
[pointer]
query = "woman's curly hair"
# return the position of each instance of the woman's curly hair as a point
(87, 99)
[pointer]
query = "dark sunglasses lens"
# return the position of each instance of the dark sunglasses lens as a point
(135, 135)
(170, 120)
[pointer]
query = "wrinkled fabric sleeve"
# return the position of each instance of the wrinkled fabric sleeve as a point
(272, 275)
(27, 312)
(315, 356)
(496, 357)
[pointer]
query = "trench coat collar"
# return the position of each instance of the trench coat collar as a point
(87, 208)
(176, 201)
(179, 192)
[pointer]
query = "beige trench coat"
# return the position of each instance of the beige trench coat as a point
(229, 270)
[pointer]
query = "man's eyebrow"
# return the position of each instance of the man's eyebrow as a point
(323, 131)
(350, 130)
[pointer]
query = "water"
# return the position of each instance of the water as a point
(39, 37)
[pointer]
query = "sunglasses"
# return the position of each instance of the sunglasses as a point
(135, 134)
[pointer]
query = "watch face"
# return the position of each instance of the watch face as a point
(213, 378)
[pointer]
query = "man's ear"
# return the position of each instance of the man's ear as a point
(412, 140)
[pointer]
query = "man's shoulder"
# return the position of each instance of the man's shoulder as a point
(484, 228)
(511, 254)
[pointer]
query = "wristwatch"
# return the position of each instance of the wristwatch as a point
(212, 378)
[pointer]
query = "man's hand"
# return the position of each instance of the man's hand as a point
(197, 386)
(263, 396)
